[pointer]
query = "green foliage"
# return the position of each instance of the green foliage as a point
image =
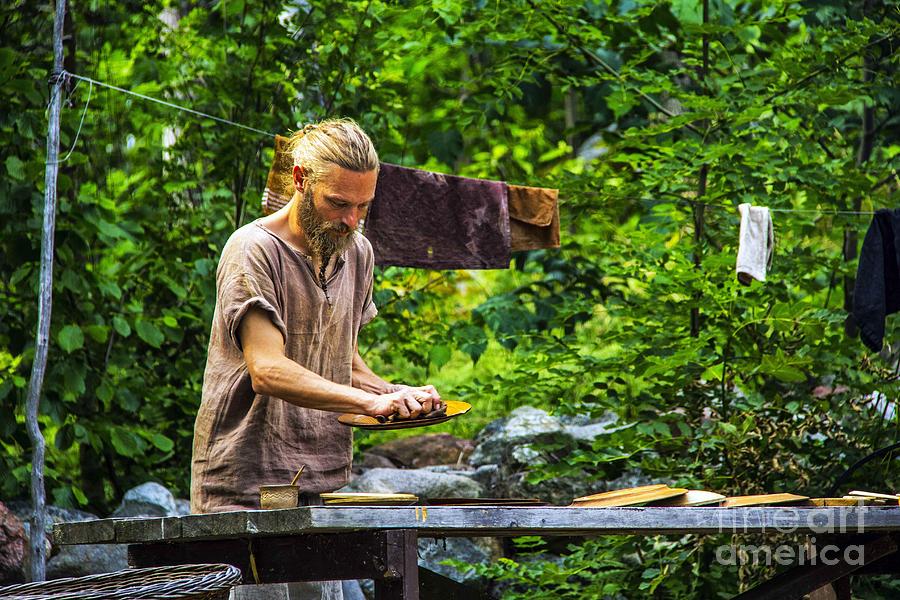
(716, 385)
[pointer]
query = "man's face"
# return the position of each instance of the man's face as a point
(331, 210)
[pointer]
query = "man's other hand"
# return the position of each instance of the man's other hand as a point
(407, 402)
(436, 402)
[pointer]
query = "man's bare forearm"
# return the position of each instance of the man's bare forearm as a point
(286, 379)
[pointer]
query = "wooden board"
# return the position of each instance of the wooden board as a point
(632, 499)
(845, 501)
(619, 493)
(762, 500)
(479, 521)
(367, 499)
(486, 502)
(893, 497)
(692, 498)
(455, 408)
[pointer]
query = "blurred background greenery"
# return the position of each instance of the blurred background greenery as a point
(653, 119)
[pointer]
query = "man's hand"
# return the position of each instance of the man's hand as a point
(406, 401)
(436, 402)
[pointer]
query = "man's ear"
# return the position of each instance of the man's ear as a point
(299, 176)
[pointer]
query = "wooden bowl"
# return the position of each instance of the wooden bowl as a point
(279, 496)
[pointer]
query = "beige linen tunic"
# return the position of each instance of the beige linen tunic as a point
(243, 440)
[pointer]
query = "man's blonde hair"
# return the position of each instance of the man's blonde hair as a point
(341, 142)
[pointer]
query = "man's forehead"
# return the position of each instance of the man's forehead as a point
(338, 183)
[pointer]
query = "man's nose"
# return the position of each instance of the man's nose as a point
(351, 217)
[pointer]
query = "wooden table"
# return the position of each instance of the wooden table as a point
(328, 542)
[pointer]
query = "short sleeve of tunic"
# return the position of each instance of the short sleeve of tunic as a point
(245, 279)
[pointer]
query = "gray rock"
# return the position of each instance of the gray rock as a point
(87, 559)
(432, 552)
(352, 590)
(147, 500)
(525, 425)
(590, 430)
(423, 483)
(76, 561)
(182, 507)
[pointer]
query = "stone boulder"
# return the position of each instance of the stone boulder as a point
(424, 450)
(147, 500)
(524, 426)
(13, 546)
(506, 448)
(432, 553)
(421, 482)
(76, 561)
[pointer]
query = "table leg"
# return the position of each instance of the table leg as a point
(796, 582)
(401, 575)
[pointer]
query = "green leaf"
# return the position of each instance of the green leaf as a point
(125, 442)
(149, 332)
(162, 442)
(121, 326)
(98, 333)
(79, 495)
(64, 437)
(439, 355)
(70, 338)
(15, 167)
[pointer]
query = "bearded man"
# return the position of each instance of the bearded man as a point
(293, 291)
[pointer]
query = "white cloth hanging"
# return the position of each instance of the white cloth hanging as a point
(756, 243)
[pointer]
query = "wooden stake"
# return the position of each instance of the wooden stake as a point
(45, 301)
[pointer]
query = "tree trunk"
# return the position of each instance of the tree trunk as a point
(45, 301)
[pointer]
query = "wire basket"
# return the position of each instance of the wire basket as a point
(197, 582)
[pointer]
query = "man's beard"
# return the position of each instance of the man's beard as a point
(321, 235)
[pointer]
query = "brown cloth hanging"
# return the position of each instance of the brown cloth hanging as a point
(435, 221)
(279, 185)
(533, 218)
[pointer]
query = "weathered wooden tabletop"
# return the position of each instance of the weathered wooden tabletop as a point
(482, 521)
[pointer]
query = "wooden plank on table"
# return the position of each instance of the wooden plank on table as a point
(148, 530)
(450, 521)
(801, 580)
(100, 531)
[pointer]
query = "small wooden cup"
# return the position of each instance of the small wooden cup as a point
(279, 496)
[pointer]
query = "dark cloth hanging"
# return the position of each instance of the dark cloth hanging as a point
(435, 221)
(533, 217)
(877, 291)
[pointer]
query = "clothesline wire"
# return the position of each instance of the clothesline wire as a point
(66, 74)
(732, 208)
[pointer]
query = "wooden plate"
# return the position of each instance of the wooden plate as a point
(692, 498)
(632, 499)
(762, 500)
(878, 495)
(845, 501)
(620, 493)
(454, 409)
(367, 499)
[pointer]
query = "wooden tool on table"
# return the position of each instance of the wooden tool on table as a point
(878, 495)
(367, 499)
(692, 498)
(628, 496)
(762, 500)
